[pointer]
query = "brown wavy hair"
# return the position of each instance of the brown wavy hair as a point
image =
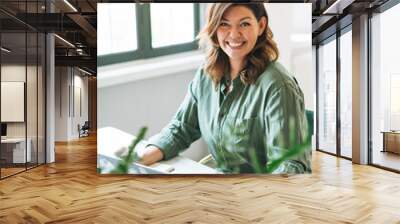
(264, 51)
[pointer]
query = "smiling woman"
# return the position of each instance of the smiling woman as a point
(247, 107)
(238, 37)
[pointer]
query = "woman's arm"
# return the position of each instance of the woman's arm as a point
(287, 126)
(151, 155)
(181, 131)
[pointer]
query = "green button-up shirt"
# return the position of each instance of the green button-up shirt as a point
(244, 128)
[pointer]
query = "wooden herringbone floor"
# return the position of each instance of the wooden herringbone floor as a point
(70, 191)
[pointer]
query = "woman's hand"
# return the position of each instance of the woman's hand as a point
(151, 155)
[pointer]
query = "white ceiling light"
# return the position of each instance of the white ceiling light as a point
(86, 72)
(70, 5)
(337, 7)
(5, 50)
(65, 41)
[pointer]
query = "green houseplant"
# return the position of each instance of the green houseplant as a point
(131, 157)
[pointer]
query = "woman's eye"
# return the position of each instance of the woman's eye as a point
(223, 24)
(245, 24)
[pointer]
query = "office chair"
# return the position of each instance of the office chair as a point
(84, 130)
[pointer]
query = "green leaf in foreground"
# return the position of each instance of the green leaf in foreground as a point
(298, 149)
(123, 166)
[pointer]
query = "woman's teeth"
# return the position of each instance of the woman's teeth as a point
(235, 44)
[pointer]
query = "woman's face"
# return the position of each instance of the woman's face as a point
(238, 31)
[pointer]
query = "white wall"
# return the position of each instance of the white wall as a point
(149, 102)
(61, 103)
(292, 32)
(67, 116)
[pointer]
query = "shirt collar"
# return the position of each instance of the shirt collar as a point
(225, 81)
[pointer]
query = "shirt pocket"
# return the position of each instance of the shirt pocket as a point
(245, 145)
(246, 125)
(245, 133)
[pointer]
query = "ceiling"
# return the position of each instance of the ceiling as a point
(332, 15)
(77, 25)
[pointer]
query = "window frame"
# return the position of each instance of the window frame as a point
(144, 41)
(371, 14)
(334, 37)
(331, 38)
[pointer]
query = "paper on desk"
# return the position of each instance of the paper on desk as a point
(139, 150)
(110, 140)
(162, 167)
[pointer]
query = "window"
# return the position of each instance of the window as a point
(335, 94)
(22, 76)
(385, 89)
(346, 94)
(394, 101)
(168, 27)
(327, 96)
(129, 31)
(116, 28)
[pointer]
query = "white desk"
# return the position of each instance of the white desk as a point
(19, 149)
(110, 140)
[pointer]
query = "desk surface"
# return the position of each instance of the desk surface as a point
(390, 132)
(110, 140)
